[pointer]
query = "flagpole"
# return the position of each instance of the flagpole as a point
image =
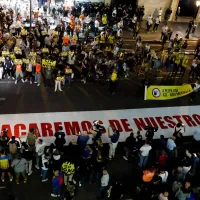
(145, 92)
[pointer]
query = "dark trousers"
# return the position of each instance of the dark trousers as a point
(48, 82)
(155, 28)
(182, 72)
(192, 72)
(112, 87)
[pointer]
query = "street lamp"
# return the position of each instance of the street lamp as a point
(30, 14)
(197, 4)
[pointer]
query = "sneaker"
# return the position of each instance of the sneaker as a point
(22, 80)
(38, 84)
(30, 82)
(16, 82)
(35, 82)
(3, 180)
(37, 167)
(30, 173)
(25, 180)
(45, 180)
(109, 158)
(125, 158)
(13, 78)
(11, 179)
(60, 90)
(17, 182)
(84, 82)
(80, 184)
(8, 77)
(26, 80)
(53, 195)
(58, 195)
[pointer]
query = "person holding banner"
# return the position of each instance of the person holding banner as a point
(196, 88)
(37, 73)
(58, 81)
(29, 68)
(19, 72)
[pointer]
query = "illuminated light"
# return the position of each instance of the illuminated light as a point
(197, 3)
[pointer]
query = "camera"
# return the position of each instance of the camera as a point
(98, 129)
(151, 129)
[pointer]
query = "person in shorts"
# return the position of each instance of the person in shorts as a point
(5, 166)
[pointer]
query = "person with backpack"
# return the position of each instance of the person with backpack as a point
(5, 166)
(13, 146)
(57, 183)
(19, 165)
(45, 166)
(60, 138)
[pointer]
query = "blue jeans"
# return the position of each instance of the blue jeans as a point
(44, 174)
(56, 191)
(196, 161)
(37, 78)
(67, 81)
(143, 161)
(101, 191)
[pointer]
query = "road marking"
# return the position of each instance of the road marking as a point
(7, 82)
(2, 99)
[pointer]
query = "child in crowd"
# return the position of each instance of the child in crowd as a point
(57, 183)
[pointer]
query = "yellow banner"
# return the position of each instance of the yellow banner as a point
(17, 61)
(157, 92)
(46, 63)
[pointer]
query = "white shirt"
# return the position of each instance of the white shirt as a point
(134, 19)
(160, 12)
(145, 150)
(164, 176)
(179, 129)
(157, 20)
(185, 170)
(44, 160)
(105, 180)
(194, 63)
(164, 29)
(96, 24)
(17, 24)
(170, 144)
(197, 134)
(162, 197)
(39, 148)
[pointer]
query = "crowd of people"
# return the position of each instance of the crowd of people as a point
(168, 169)
(86, 42)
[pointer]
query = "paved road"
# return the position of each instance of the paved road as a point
(26, 98)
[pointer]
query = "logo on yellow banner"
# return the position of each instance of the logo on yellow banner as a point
(167, 92)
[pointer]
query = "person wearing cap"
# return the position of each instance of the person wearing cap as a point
(60, 138)
(114, 138)
(113, 80)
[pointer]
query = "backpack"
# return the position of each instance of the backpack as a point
(12, 148)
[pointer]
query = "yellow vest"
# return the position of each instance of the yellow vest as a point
(68, 71)
(185, 61)
(111, 39)
(178, 59)
(104, 20)
(114, 76)
(60, 78)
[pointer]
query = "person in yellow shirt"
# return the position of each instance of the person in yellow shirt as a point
(113, 80)
(5, 166)
(104, 20)
(184, 64)
(58, 81)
